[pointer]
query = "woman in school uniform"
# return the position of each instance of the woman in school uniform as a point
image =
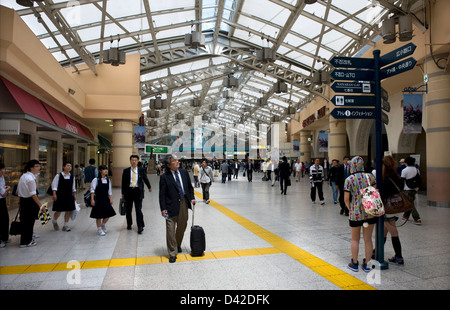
(101, 200)
(64, 196)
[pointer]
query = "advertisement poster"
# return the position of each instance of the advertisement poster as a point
(323, 142)
(139, 137)
(412, 113)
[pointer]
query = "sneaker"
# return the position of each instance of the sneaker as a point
(31, 244)
(418, 222)
(352, 266)
(207, 201)
(364, 266)
(100, 232)
(322, 202)
(104, 228)
(2, 244)
(397, 260)
(66, 228)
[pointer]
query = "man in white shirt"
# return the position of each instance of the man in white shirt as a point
(409, 173)
(298, 167)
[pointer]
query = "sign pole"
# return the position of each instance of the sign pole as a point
(379, 249)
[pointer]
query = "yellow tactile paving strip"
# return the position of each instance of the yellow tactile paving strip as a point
(324, 269)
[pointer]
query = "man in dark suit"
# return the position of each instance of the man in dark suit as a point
(133, 179)
(343, 171)
(175, 197)
(284, 170)
(249, 168)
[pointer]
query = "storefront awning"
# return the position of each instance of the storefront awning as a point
(104, 143)
(45, 114)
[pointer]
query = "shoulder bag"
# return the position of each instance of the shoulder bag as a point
(398, 203)
(16, 226)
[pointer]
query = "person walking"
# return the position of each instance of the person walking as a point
(133, 179)
(409, 173)
(332, 179)
(90, 173)
(29, 202)
(316, 179)
(176, 195)
(358, 218)
(342, 173)
(284, 172)
(206, 179)
(77, 175)
(298, 170)
(249, 167)
(64, 196)
(101, 200)
(4, 216)
(224, 170)
(196, 171)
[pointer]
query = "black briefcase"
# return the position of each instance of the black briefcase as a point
(122, 207)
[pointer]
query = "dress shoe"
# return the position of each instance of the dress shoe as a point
(140, 230)
(172, 259)
(128, 227)
(180, 250)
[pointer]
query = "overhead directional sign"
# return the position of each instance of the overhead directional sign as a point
(352, 62)
(352, 100)
(353, 87)
(353, 75)
(354, 113)
(157, 149)
(397, 68)
(399, 53)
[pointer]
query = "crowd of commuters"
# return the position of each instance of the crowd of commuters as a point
(176, 195)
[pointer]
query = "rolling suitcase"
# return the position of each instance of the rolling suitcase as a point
(198, 241)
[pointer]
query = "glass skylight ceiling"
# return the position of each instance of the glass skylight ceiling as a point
(305, 37)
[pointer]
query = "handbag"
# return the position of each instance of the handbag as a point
(44, 215)
(398, 203)
(16, 226)
(122, 207)
(288, 182)
(371, 200)
(74, 214)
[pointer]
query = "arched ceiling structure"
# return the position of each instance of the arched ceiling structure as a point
(302, 36)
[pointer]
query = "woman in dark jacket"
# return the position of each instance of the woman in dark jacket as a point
(388, 189)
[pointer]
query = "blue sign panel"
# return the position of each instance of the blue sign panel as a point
(395, 55)
(353, 75)
(352, 62)
(397, 68)
(353, 113)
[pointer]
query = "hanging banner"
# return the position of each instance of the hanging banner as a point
(412, 113)
(139, 137)
(323, 142)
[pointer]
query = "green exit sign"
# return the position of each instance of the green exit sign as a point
(156, 149)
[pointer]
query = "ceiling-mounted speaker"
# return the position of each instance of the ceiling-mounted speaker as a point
(27, 3)
(152, 114)
(179, 116)
(280, 87)
(310, 1)
(158, 103)
(230, 82)
(166, 130)
(196, 102)
(405, 29)
(316, 78)
(266, 54)
(213, 107)
(194, 39)
(152, 133)
(388, 30)
(325, 77)
(275, 119)
(114, 57)
(205, 117)
(290, 110)
(262, 102)
(228, 94)
(153, 123)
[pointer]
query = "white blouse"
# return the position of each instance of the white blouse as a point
(104, 181)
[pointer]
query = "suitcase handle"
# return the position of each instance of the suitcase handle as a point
(193, 212)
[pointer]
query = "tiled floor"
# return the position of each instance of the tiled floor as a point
(256, 239)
